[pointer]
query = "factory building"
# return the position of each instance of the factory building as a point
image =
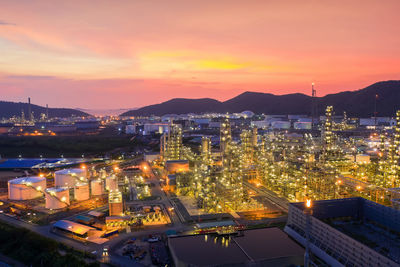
(160, 128)
(280, 124)
(130, 129)
(57, 197)
(73, 227)
(69, 177)
(26, 188)
(259, 247)
(302, 125)
(115, 204)
(347, 232)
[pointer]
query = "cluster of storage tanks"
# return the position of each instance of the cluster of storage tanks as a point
(57, 197)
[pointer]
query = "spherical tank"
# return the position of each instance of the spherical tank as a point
(57, 197)
(81, 191)
(26, 188)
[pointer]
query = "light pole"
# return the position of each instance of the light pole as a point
(308, 212)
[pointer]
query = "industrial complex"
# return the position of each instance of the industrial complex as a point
(222, 189)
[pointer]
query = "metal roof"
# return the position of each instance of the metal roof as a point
(70, 171)
(73, 227)
(215, 224)
(25, 180)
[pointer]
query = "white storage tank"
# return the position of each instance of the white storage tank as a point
(69, 177)
(26, 188)
(57, 197)
(81, 191)
(111, 183)
(96, 187)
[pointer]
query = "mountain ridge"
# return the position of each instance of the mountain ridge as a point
(9, 109)
(356, 103)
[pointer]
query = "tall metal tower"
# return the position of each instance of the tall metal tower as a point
(225, 135)
(313, 105)
(30, 117)
(328, 135)
(393, 154)
(174, 147)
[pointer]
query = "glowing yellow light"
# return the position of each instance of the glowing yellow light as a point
(308, 203)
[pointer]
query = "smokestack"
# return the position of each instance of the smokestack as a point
(29, 109)
(313, 105)
(47, 111)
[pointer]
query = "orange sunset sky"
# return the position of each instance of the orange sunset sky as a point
(122, 54)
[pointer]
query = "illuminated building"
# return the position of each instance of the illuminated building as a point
(115, 204)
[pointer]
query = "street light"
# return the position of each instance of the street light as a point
(308, 212)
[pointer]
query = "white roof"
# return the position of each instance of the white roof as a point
(56, 189)
(70, 171)
(25, 180)
(73, 227)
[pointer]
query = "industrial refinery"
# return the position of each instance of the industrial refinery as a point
(325, 163)
(212, 176)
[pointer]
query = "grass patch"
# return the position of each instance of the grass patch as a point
(35, 250)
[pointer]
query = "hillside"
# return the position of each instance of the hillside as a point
(9, 109)
(356, 103)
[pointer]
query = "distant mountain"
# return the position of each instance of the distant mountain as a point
(9, 109)
(358, 103)
(105, 112)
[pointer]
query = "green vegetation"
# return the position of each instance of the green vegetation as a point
(34, 250)
(68, 146)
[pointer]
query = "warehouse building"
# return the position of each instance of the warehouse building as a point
(259, 247)
(348, 232)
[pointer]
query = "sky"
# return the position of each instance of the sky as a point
(131, 53)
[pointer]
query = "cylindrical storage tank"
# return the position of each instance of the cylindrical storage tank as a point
(81, 191)
(69, 177)
(57, 197)
(111, 184)
(97, 187)
(26, 188)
